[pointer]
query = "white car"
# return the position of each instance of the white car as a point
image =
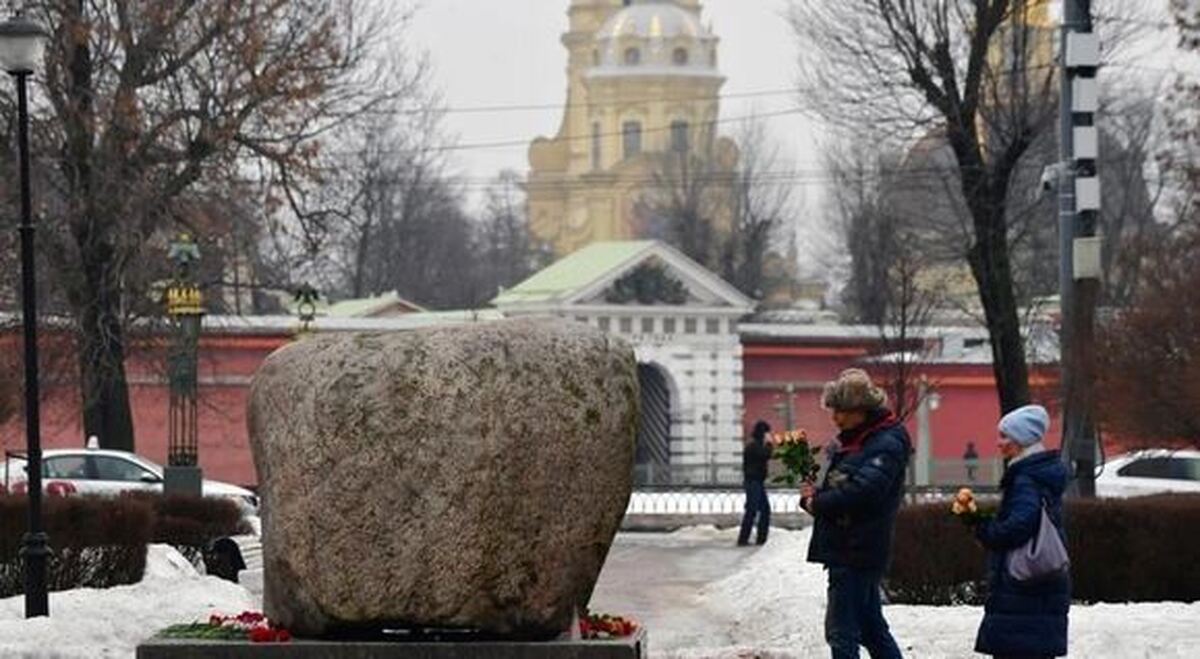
(1152, 471)
(107, 472)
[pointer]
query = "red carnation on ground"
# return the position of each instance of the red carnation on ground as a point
(262, 635)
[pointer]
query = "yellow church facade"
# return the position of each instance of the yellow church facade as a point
(643, 86)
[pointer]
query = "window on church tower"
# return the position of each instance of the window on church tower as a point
(679, 136)
(633, 57)
(631, 133)
(680, 57)
(596, 145)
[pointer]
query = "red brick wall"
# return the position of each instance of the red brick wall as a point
(968, 409)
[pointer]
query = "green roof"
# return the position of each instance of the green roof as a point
(362, 306)
(355, 307)
(573, 272)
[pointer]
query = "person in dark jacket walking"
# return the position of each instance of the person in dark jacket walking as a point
(854, 513)
(755, 456)
(1024, 620)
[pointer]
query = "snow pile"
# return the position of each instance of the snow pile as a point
(773, 607)
(109, 623)
(165, 562)
(764, 602)
(777, 574)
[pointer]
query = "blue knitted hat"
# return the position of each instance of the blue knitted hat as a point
(1025, 425)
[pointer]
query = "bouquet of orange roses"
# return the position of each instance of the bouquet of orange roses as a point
(966, 508)
(799, 459)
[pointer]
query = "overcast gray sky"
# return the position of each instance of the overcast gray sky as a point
(507, 52)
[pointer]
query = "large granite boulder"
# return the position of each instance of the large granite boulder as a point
(460, 477)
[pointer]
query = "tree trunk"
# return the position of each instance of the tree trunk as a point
(97, 294)
(106, 411)
(992, 270)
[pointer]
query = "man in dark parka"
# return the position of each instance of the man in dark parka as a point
(854, 513)
(756, 454)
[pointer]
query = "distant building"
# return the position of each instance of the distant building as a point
(642, 87)
(683, 323)
(707, 368)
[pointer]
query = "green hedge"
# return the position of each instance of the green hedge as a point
(94, 543)
(1122, 550)
(99, 542)
(189, 523)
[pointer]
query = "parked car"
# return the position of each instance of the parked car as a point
(1153, 471)
(108, 472)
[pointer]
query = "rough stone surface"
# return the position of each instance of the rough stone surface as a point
(461, 477)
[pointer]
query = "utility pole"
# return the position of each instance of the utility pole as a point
(924, 456)
(1079, 247)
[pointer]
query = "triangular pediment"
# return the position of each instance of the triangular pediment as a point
(636, 273)
(661, 276)
(653, 283)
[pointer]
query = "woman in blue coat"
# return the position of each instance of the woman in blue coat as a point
(1024, 620)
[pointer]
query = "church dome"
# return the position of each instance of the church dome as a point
(654, 36)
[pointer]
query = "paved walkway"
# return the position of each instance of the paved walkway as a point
(657, 579)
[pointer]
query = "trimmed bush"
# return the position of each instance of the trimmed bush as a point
(935, 560)
(94, 542)
(190, 524)
(100, 542)
(1135, 550)
(1122, 550)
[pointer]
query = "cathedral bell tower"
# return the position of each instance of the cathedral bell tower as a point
(642, 83)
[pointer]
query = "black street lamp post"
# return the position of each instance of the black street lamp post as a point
(20, 51)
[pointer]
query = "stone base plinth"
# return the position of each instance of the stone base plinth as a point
(633, 647)
(187, 481)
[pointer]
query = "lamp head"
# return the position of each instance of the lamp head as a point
(21, 42)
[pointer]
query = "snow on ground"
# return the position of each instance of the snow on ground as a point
(772, 607)
(699, 595)
(109, 623)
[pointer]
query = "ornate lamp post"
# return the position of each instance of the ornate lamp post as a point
(20, 53)
(306, 307)
(182, 474)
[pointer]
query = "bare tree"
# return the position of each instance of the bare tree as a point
(686, 202)
(150, 105)
(904, 343)
(890, 284)
(977, 77)
(507, 251)
(1181, 158)
(730, 208)
(1129, 140)
(865, 228)
(1149, 355)
(755, 257)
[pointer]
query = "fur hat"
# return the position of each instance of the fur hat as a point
(853, 390)
(1025, 425)
(760, 429)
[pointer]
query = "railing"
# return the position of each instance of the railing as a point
(723, 500)
(942, 473)
(704, 501)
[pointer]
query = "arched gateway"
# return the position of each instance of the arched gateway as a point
(682, 322)
(652, 464)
